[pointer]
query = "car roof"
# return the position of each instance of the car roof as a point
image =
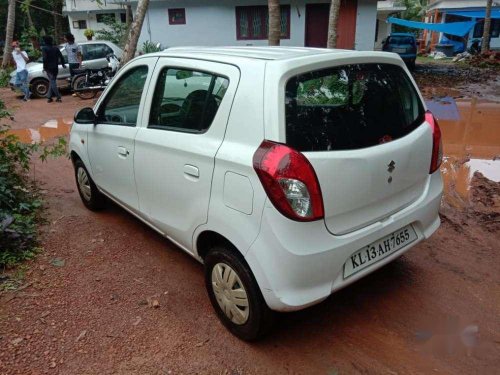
(265, 53)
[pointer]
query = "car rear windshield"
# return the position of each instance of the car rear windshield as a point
(401, 40)
(350, 107)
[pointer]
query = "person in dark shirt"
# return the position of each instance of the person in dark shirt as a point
(51, 58)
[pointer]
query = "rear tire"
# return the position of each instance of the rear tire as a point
(91, 197)
(78, 84)
(235, 295)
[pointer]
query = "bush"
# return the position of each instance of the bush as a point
(20, 203)
(5, 77)
(115, 32)
(149, 47)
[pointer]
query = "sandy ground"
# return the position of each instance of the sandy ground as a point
(85, 306)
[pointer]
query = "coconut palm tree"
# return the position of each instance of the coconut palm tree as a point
(274, 22)
(485, 44)
(332, 23)
(135, 31)
(9, 33)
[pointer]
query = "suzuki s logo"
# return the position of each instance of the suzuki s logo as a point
(391, 166)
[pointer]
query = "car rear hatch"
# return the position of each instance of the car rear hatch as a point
(402, 45)
(359, 126)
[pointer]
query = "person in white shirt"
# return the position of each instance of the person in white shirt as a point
(74, 53)
(21, 59)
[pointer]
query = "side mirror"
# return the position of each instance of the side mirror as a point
(86, 116)
(183, 74)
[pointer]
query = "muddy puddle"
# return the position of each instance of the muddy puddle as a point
(471, 142)
(51, 129)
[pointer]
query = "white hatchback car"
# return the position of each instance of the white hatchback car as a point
(289, 172)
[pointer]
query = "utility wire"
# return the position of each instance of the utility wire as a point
(42, 9)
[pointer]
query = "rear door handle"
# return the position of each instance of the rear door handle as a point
(122, 151)
(191, 170)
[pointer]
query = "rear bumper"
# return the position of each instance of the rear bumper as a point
(300, 264)
(408, 58)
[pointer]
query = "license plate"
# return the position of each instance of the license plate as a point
(379, 250)
(399, 50)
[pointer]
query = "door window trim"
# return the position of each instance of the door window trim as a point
(177, 129)
(106, 99)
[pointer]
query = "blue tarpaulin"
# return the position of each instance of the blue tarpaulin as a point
(452, 28)
(476, 13)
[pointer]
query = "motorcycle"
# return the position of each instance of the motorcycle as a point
(87, 83)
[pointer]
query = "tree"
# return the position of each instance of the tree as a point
(128, 15)
(9, 33)
(332, 23)
(485, 44)
(57, 7)
(135, 31)
(274, 22)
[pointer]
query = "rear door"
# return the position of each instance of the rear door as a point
(185, 120)
(361, 127)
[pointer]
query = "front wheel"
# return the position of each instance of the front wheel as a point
(40, 87)
(79, 84)
(91, 197)
(235, 295)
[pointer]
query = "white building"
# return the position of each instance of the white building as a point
(448, 11)
(386, 9)
(232, 22)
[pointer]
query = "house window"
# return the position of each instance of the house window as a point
(494, 28)
(252, 22)
(103, 17)
(177, 16)
(82, 24)
(123, 17)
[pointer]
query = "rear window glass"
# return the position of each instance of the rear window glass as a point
(350, 107)
(399, 40)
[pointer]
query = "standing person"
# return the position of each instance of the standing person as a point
(74, 53)
(21, 59)
(51, 58)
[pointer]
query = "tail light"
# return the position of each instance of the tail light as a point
(289, 181)
(437, 143)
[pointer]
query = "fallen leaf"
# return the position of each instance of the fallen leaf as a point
(58, 262)
(81, 335)
(17, 341)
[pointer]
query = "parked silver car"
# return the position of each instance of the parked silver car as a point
(94, 57)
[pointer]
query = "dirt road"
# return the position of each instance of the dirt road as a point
(86, 304)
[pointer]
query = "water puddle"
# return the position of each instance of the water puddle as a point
(471, 141)
(51, 129)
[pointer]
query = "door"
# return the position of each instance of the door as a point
(346, 28)
(368, 141)
(186, 115)
(317, 24)
(111, 140)
(63, 73)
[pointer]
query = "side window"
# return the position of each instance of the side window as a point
(95, 51)
(85, 52)
(186, 100)
(121, 105)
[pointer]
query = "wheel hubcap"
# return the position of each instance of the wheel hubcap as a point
(84, 184)
(230, 293)
(41, 89)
